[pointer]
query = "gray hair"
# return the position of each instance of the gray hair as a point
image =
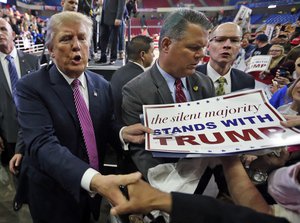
(57, 20)
(175, 24)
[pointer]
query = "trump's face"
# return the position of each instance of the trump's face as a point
(70, 48)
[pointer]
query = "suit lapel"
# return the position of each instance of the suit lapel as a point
(63, 91)
(163, 91)
(194, 87)
(234, 81)
(24, 67)
(94, 94)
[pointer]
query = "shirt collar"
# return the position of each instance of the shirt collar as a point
(137, 64)
(13, 53)
(169, 78)
(81, 78)
(214, 75)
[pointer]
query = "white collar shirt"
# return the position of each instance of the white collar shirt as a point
(214, 76)
(171, 83)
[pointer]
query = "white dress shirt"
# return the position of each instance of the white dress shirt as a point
(171, 83)
(214, 75)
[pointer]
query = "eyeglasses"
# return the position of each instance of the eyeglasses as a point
(298, 65)
(223, 39)
(275, 50)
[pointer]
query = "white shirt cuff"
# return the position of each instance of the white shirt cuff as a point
(125, 145)
(86, 180)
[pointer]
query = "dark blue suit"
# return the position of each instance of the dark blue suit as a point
(56, 158)
(239, 79)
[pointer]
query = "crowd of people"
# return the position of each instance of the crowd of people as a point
(58, 120)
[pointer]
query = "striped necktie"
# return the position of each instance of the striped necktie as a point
(86, 125)
(179, 94)
(12, 73)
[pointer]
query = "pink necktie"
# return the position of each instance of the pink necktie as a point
(179, 94)
(86, 125)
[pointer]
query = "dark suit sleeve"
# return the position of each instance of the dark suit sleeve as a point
(200, 209)
(42, 145)
(20, 145)
(132, 108)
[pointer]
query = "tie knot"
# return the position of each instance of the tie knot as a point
(178, 82)
(75, 83)
(222, 80)
(9, 58)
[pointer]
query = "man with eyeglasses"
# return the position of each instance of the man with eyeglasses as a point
(223, 46)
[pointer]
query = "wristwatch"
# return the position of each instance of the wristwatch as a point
(259, 177)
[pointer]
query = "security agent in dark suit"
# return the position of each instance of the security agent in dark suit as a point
(62, 186)
(223, 46)
(24, 63)
(182, 38)
(140, 56)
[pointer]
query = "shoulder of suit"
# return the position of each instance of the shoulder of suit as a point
(142, 79)
(241, 73)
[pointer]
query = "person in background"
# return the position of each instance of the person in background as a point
(112, 17)
(66, 118)
(69, 5)
(14, 64)
(140, 55)
(278, 57)
(248, 47)
(223, 46)
(280, 96)
(262, 45)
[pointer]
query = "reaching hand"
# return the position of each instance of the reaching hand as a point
(109, 186)
(135, 133)
(143, 199)
(292, 121)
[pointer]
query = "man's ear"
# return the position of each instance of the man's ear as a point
(14, 35)
(142, 54)
(52, 55)
(165, 44)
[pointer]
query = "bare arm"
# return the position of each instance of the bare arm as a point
(242, 190)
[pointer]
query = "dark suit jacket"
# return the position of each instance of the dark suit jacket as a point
(112, 10)
(199, 208)
(55, 155)
(118, 80)
(239, 79)
(151, 88)
(8, 116)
